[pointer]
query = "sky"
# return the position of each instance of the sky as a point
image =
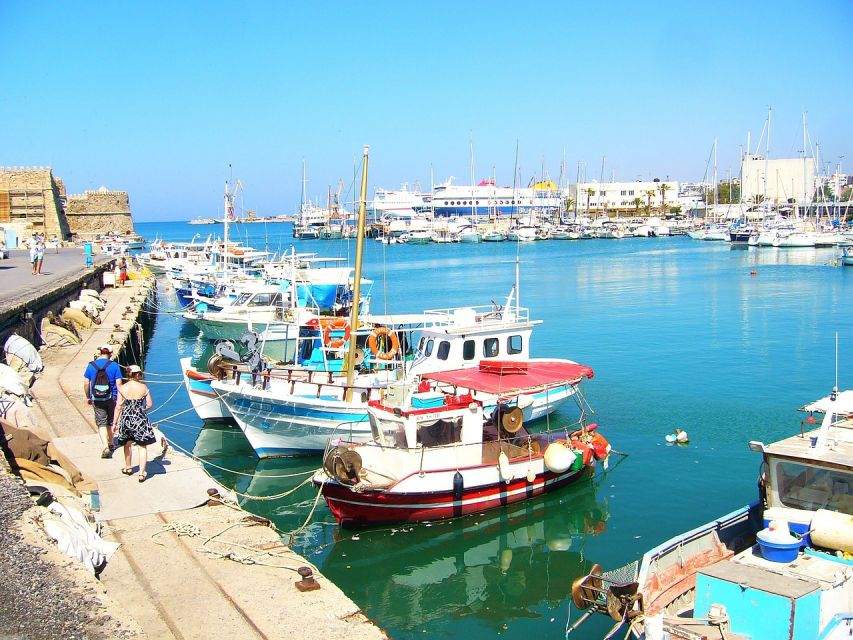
(167, 100)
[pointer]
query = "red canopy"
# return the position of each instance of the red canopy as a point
(505, 378)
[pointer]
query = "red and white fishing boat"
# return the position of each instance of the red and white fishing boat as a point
(435, 454)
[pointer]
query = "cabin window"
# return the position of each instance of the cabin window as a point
(802, 486)
(390, 433)
(261, 300)
(469, 350)
(429, 345)
(491, 348)
(443, 350)
(440, 432)
(513, 345)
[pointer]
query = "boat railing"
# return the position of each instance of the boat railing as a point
(491, 313)
(321, 380)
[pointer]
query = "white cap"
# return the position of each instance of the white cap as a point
(106, 349)
(134, 368)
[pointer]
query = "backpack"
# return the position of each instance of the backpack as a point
(101, 388)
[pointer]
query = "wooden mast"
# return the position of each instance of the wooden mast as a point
(356, 293)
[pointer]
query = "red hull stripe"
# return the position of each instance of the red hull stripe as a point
(369, 508)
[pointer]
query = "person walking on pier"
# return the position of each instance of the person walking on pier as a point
(39, 255)
(122, 271)
(131, 423)
(54, 242)
(100, 386)
(31, 244)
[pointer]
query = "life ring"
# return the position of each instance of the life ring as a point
(373, 343)
(336, 324)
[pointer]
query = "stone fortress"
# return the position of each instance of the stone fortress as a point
(33, 200)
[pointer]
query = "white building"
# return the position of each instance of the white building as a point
(623, 198)
(787, 180)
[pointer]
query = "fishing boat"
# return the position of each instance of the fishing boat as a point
(778, 568)
(436, 453)
(847, 256)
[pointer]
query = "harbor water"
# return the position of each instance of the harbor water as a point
(725, 343)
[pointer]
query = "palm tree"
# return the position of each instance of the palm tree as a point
(649, 195)
(570, 203)
(637, 202)
(664, 187)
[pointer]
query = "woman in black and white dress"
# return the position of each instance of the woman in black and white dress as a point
(131, 423)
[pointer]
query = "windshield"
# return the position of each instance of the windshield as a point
(802, 486)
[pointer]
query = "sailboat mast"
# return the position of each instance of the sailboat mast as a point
(767, 159)
(356, 289)
(227, 216)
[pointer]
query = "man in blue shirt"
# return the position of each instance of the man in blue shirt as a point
(104, 406)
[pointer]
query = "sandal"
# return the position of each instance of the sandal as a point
(142, 476)
(127, 471)
(106, 453)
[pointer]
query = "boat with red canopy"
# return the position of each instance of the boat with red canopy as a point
(436, 454)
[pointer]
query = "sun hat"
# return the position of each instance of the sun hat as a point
(134, 368)
(106, 349)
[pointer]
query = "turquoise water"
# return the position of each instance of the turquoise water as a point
(680, 333)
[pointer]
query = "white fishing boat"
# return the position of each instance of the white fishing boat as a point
(435, 453)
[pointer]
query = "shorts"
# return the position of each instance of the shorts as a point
(104, 412)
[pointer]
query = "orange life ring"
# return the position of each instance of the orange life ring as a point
(373, 343)
(336, 324)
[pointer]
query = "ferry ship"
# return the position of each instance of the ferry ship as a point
(487, 200)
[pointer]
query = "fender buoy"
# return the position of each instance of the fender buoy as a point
(336, 324)
(600, 446)
(385, 353)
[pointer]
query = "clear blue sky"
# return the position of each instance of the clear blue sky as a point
(158, 98)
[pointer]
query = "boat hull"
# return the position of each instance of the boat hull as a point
(370, 508)
(206, 402)
(284, 423)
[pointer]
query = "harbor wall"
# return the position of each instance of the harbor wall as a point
(23, 315)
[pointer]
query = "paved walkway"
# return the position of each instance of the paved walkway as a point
(19, 283)
(172, 574)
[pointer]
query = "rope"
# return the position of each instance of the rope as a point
(299, 530)
(178, 528)
(255, 554)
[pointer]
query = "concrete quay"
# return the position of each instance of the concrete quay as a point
(188, 566)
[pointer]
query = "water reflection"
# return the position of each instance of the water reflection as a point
(497, 567)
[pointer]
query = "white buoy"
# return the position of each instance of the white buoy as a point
(503, 466)
(558, 457)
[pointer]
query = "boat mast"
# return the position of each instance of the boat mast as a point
(767, 159)
(356, 289)
(227, 216)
